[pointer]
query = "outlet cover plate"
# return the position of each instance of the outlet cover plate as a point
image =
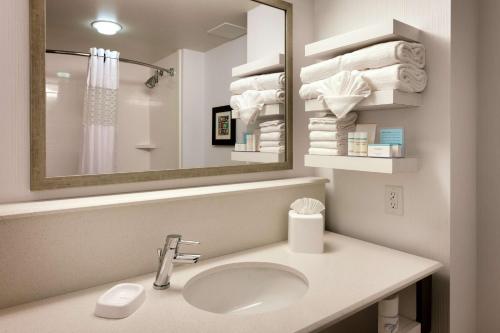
(394, 200)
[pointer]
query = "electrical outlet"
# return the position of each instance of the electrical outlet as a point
(394, 200)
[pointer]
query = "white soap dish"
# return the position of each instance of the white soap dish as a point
(120, 301)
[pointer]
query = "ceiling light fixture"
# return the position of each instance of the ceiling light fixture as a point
(106, 27)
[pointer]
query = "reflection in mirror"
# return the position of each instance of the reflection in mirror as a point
(146, 85)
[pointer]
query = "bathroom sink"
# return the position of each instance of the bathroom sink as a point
(245, 288)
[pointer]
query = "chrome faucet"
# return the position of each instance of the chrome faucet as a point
(170, 255)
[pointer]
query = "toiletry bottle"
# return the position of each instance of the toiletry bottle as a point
(356, 147)
(350, 144)
(363, 143)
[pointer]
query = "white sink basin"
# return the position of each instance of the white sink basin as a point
(245, 288)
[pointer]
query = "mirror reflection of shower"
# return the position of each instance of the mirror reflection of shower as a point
(153, 80)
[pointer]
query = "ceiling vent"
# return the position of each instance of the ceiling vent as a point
(228, 31)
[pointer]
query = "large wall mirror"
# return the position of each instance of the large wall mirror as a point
(127, 90)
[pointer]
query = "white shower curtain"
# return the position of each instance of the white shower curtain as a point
(99, 114)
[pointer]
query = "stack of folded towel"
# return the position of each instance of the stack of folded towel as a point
(328, 134)
(396, 65)
(272, 136)
(250, 94)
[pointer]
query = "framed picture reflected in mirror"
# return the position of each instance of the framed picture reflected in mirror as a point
(223, 126)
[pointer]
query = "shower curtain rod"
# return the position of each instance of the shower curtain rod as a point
(170, 71)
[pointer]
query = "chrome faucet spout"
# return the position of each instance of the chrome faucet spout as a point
(170, 255)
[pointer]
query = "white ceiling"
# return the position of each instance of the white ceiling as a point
(152, 29)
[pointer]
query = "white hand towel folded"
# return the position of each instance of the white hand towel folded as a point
(350, 118)
(328, 127)
(375, 56)
(258, 82)
(326, 144)
(275, 128)
(248, 105)
(331, 136)
(327, 152)
(403, 77)
(273, 136)
(276, 143)
(271, 123)
(280, 149)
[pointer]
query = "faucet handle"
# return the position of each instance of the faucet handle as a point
(187, 242)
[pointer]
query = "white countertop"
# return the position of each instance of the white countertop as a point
(349, 276)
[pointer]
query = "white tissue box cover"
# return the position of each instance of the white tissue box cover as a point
(305, 232)
(120, 301)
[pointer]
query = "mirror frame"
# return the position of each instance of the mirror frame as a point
(39, 179)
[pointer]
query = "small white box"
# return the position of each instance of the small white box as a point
(305, 232)
(385, 150)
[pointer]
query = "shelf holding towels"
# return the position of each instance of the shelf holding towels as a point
(375, 56)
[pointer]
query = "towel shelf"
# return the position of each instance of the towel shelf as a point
(257, 157)
(350, 41)
(270, 110)
(388, 99)
(271, 64)
(367, 164)
(146, 146)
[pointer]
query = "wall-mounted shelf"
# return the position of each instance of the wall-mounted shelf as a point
(257, 157)
(146, 146)
(270, 64)
(367, 164)
(350, 41)
(387, 99)
(270, 110)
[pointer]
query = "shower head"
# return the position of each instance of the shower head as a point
(153, 80)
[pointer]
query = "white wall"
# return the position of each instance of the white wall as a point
(219, 62)
(269, 22)
(14, 113)
(164, 108)
(192, 107)
(488, 171)
(355, 201)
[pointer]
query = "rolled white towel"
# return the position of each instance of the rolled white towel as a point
(375, 56)
(327, 152)
(327, 144)
(257, 98)
(280, 149)
(403, 77)
(275, 128)
(326, 136)
(258, 82)
(276, 143)
(273, 136)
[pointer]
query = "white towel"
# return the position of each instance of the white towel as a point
(273, 136)
(259, 98)
(271, 123)
(330, 119)
(275, 128)
(341, 92)
(403, 77)
(331, 136)
(375, 56)
(327, 144)
(328, 127)
(258, 82)
(327, 152)
(276, 143)
(248, 105)
(280, 149)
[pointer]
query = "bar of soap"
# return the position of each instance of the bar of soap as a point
(120, 301)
